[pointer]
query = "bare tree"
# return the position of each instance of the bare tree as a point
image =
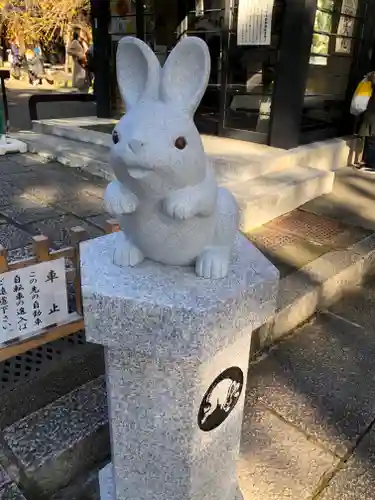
(34, 20)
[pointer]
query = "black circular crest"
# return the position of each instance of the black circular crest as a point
(220, 399)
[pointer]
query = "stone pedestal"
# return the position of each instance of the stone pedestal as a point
(177, 353)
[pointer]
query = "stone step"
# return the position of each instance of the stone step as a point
(89, 157)
(276, 193)
(58, 443)
(38, 377)
(262, 195)
(232, 160)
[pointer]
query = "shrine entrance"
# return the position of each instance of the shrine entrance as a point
(283, 80)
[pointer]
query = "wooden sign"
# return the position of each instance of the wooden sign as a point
(33, 294)
(32, 298)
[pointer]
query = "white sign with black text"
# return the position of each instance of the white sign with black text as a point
(345, 30)
(254, 22)
(32, 298)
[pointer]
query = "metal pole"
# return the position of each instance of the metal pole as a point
(5, 106)
(100, 13)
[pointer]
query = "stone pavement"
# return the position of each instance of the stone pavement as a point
(309, 427)
(46, 198)
(352, 198)
(308, 432)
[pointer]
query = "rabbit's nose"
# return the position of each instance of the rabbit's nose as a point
(135, 145)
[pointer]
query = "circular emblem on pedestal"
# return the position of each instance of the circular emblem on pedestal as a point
(220, 399)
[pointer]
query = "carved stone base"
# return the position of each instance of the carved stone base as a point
(177, 354)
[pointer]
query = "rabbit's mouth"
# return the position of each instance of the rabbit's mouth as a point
(138, 172)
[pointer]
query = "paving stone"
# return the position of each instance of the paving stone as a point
(62, 440)
(25, 210)
(356, 479)
(12, 237)
(100, 220)
(84, 205)
(28, 159)
(322, 380)
(58, 229)
(20, 253)
(8, 193)
(10, 168)
(11, 492)
(50, 184)
(40, 380)
(278, 462)
(358, 306)
(96, 189)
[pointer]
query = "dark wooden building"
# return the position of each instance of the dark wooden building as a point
(293, 87)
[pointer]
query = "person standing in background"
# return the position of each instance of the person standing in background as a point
(367, 128)
(77, 50)
(15, 60)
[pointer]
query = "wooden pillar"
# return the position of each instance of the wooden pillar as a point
(291, 73)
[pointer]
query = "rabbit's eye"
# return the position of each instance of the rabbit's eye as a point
(180, 142)
(115, 137)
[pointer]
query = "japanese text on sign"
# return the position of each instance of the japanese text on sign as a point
(32, 298)
(346, 26)
(254, 22)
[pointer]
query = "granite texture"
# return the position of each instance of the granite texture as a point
(169, 335)
(166, 194)
(107, 483)
(158, 450)
(355, 480)
(12, 237)
(8, 193)
(63, 439)
(83, 362)
(277, 461)
(11, 492)
(329, 396)
(4, 478)
(358, 306)
(130, 307)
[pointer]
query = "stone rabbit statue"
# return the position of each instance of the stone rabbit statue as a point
(166, 197)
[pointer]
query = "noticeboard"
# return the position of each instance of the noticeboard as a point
(254, 24)
(32, 298)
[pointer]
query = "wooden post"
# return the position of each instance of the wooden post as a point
(3, 259)
(41, 248)
(112, 226)
(78, 234)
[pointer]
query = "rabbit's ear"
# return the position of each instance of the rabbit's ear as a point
(138, 71)
(185, 74)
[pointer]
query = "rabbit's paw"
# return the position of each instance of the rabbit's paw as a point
(119, 201)
(127, 255)
(179, 206)
(213, 263)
